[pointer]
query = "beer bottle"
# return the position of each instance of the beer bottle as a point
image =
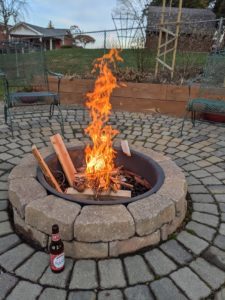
(56, 249)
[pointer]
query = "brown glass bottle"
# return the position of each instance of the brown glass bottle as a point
(56, 249)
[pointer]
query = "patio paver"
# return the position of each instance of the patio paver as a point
(194, 257)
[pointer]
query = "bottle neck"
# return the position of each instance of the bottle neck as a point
(55, 237)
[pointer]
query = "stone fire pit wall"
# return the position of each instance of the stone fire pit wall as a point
(97, 231)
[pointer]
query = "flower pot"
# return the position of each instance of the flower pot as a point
(214, 117)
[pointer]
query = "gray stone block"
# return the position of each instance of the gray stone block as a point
(110, 295)
(5, 228)
(3, 204)
(111, 273)
(49, 210)
(20, 195)
(8, 242)
(205, 219)
(191, 242)
(53, 294)
(190, 283)
(165, 289)
(137, 270)
(59, 280)
(173, 249)
(201, 230)
(159, 262)
(151, 213)
(220, 241)
(3, 216)
(25, 290)
(7, 282)
(84, 275)
(209, 273)
(141, 292)
(14, 257)
(82, 296)
(206, 208)
(215, 256)
(220, 295)
(103, 223)
(133, 244)
(34, 267)
(203, 198)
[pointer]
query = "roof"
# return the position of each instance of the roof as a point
(190, 16)
(44, 32)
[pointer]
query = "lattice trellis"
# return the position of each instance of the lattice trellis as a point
(169, 44)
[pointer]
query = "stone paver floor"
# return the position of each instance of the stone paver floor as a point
(191, 265)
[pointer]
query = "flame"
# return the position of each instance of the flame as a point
(100, 156)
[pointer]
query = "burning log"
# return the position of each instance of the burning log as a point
(125, 147)
(45, 169)
(90, 192)
(63, 157)
(138, 179)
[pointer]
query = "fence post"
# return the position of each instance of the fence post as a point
(105, 40)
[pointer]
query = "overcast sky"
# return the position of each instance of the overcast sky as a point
(89, 15)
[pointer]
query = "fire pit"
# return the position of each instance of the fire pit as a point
(97, 231)
(138, 163)
(97, 227)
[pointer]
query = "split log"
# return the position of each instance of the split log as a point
(63, 157)
(90, 192)
(125, 147)
(45, 169)
(138, 178)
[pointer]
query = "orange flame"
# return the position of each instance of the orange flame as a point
(100, 156)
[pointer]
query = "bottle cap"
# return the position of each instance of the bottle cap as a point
(55, 228)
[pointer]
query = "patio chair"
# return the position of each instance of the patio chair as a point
(211, 91)
(25, 80)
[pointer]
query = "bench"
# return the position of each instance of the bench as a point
(211, 84)
(25, 81)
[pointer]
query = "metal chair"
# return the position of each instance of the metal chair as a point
(25, 79)
(211, 91)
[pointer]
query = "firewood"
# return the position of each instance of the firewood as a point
(90, 192)
(128, 185)
(63, 157)
(138, 178)
(125, 147)
(45, 169)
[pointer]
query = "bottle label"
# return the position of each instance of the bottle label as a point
(55, 237)
(57, 261)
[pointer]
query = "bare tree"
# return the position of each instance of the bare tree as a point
(131, 7)
(12, 10)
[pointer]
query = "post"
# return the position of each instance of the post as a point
(160, 36)
(50, 44)
(176, 36)
(105, 40)
(219, 34)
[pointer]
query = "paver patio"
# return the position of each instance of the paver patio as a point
(191, 265)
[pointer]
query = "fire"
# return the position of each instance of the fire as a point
(100, 156)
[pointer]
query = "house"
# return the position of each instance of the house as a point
(50, 38)
(196, 30)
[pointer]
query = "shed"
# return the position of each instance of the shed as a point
(196, 30)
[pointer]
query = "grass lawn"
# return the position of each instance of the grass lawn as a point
(80, 61)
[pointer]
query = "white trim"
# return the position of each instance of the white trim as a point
(25, 25)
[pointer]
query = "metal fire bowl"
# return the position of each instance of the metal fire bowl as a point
(138, 163)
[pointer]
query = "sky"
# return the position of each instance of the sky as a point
(89, 15)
